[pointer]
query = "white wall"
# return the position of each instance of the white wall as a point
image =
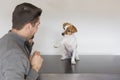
(98, 23)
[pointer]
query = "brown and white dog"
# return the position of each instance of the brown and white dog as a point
(69, 43)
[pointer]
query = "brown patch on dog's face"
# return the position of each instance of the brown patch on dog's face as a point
(69, 29)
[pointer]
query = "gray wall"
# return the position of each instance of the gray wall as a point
(98, 23)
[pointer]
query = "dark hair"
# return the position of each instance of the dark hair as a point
(25, 13)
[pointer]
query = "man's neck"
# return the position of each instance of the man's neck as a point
(19, 32)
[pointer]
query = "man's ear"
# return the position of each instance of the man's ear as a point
(28, 26)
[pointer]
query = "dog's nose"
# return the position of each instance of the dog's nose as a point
(62, 34)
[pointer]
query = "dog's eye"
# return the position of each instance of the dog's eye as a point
(68, 30)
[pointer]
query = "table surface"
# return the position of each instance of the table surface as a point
(90, 67)
(80, 76)
(107, 64)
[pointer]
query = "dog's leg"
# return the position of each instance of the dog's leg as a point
(67, 54)
(77, 56)
(64, 56)
(73, 57)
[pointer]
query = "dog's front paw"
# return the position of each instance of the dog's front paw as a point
(63, 58)
(77, 58)
(73, 62)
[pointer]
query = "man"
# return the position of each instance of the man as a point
(29, 44)
(14, 54)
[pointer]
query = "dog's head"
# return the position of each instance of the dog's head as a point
(69, 29)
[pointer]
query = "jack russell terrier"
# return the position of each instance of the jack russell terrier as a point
(69, 43)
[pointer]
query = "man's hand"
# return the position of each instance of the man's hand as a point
(36, 61)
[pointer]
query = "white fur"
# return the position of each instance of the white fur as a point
(69, 43)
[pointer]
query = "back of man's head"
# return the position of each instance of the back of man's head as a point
(25, 13)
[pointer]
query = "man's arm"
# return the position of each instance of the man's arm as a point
(15, 66)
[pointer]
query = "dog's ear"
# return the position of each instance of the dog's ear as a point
(64, 27)
(65, 24)
(73, 29)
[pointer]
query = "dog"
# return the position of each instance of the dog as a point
(69, 43)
